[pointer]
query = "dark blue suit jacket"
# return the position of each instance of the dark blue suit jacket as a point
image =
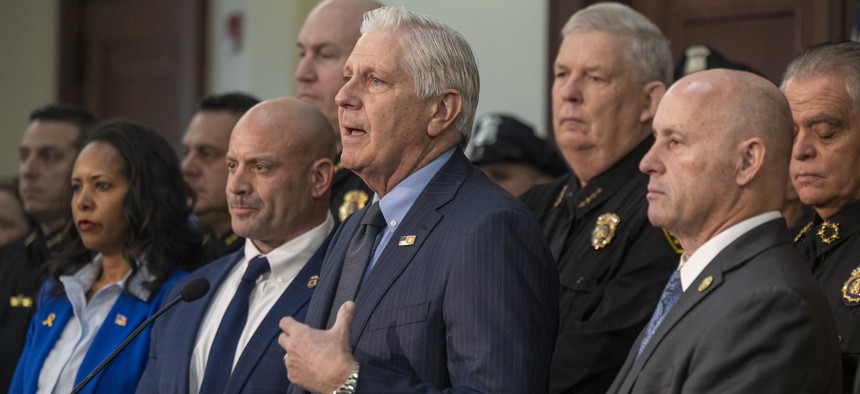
(121, 375)
(470, 305)
(260, 368)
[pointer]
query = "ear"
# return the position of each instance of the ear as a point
(444, 110)
(652, 94)
(321, 174)
(750, 159)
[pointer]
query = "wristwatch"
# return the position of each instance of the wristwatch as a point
(351, 382)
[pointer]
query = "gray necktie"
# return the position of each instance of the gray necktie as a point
(357, 257)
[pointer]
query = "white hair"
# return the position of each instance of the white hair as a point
(648, 51)
(437, 57)
(841, 58)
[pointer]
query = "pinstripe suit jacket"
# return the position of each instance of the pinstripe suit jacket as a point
(471, 306)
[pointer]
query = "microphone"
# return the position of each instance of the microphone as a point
(192, 291)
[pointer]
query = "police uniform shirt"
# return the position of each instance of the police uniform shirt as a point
(214, 248)
(832, 250)
(612, 265)
(348, 193)
(20, 279)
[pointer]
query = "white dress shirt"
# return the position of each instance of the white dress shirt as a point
(691, 267)
(286, 262)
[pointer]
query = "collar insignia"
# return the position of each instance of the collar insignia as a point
(20, 301)
(828, 232)
(802, 234)
(591, 197)
(560, 197)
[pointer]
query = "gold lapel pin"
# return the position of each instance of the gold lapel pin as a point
(50, 320)
(706, 283)
(312, 282)
(120, 320)
(406, 240)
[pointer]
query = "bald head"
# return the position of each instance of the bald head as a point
(742, 105)
(280, 164)
(325, 42)
(720, 155)
(292, 123)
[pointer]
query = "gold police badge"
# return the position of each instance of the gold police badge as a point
(604, 230)
(353, 200)
(851, 289)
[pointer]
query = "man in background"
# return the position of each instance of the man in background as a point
(510, 153)
(822, 86)
(48, 149)
(325, 41)
(611, 71)
(204, 147)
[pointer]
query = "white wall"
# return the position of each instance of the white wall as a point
(28, 71)
(266, 63)
(508, 38)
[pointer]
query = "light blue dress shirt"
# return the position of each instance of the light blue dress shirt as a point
(61, 367)
(396, 204)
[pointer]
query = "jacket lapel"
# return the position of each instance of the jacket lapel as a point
(186, 337)
(736, 254)
(296, 296)
(420, 221)
(320, 305)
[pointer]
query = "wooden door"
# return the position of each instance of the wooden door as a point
(764, 34)
(136, 59)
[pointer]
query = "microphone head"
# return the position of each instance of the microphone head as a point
(198, 287)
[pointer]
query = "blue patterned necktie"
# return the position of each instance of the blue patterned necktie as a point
(357, 256)
(671, 294)
(219, 365)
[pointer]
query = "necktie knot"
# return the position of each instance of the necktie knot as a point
(374, 216)
(257, 266)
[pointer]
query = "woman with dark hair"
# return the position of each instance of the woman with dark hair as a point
(128, 242)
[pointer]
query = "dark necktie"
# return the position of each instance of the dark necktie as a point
(223, 350)
(671, 294)
(357, 257)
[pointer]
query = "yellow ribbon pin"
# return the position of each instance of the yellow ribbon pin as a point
(50, 320)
